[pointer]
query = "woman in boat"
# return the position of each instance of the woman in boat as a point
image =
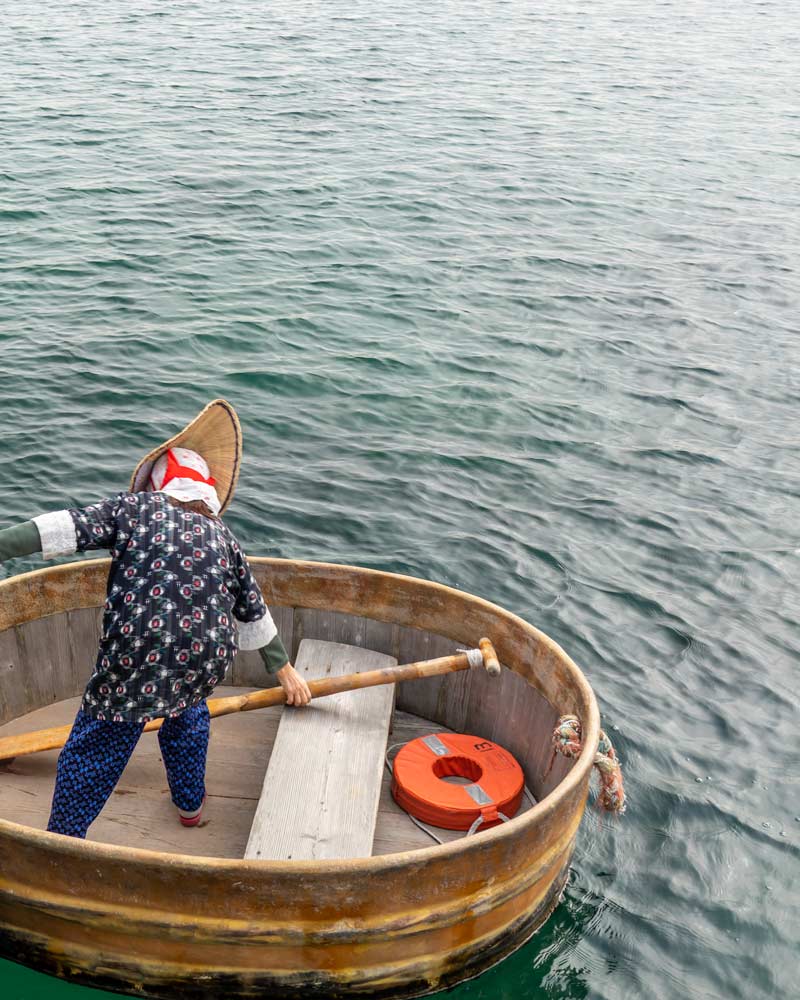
(178, 581)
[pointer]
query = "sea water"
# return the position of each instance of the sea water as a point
(506, 296)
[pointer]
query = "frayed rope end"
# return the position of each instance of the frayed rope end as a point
(567, 741)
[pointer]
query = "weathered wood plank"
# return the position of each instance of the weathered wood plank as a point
(46, 658)
(383, 637)
(321, 790)
(441, 699)
(83, 626)
(483, 708)
(336, 626)
(351, 630)
(507, 710)
(12, 690)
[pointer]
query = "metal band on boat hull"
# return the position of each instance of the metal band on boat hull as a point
(396, 980)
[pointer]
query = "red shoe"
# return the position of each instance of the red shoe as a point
(191, 818)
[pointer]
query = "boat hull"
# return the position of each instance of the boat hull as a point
(396, 925)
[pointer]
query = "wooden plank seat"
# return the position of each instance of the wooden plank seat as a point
(323, 782)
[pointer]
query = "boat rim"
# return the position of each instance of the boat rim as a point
(67, 846)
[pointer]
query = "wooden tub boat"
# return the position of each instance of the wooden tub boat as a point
(146, 907)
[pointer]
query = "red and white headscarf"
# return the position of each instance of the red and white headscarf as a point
(183, 474)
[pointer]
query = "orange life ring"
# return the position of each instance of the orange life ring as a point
(496, 781)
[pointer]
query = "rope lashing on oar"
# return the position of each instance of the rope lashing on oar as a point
(567, 742)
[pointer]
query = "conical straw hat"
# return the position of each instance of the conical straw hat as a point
(216, 435)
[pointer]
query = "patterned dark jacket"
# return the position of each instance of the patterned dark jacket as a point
(181, 599)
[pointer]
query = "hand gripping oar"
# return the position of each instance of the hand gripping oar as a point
(52, 739)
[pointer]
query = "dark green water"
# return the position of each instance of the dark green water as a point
(507, 297)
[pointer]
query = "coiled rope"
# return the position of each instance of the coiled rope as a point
(567, 742)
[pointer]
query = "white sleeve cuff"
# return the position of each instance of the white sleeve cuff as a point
(57, 532)
(254, 635)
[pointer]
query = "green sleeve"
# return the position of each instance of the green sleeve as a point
(274, 655)
(21, 540)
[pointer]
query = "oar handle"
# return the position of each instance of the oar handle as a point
(490, 660)
(52, 739)
(336, 685)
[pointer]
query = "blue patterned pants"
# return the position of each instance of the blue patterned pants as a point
(95, 755)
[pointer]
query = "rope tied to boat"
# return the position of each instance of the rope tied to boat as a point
(567, 742)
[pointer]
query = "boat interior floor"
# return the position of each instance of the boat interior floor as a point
(140, 813)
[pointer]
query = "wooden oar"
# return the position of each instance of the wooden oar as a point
(52, 739)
